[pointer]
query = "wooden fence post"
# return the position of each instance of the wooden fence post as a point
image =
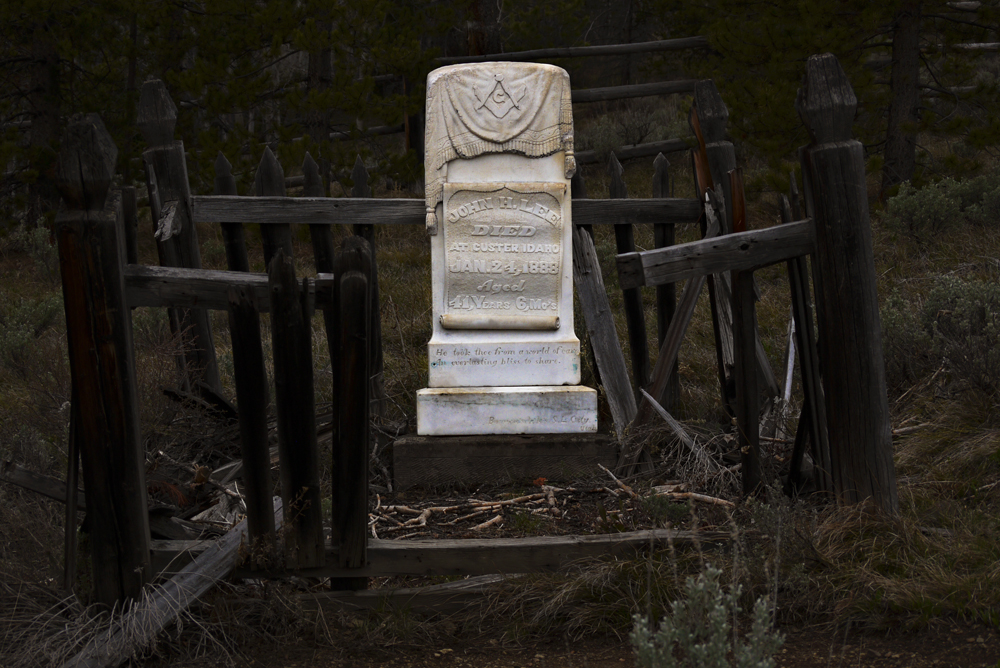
(352, 451)
(635, 318)
(233, 234)
(99, 332)
(850, 343)
(291, 338)
(666, 295)
(367, 232)
(270, 182)
(166, 174)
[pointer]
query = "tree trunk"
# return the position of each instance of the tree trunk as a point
(44, 99)
(901, 135)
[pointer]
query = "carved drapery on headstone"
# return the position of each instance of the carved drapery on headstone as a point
(522, 108)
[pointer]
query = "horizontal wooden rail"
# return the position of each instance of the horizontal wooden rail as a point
(638, 150)
(733, 252)
(476, 556)
(679, 44)
(635, 90)
(205, 288)
(399, 211)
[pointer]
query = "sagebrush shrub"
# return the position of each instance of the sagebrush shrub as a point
(963, 321)
(941, 206)
(957, 326)
(698, 626)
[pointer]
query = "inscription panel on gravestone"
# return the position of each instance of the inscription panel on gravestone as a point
(503, 255)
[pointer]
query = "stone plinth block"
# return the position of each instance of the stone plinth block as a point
(459, 411)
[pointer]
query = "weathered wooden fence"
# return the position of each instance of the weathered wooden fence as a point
(842, 377)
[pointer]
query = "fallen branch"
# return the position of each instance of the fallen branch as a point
(694, 496)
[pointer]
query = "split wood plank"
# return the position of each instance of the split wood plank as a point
(812, 420)
(47, 486)
(376, 363)
(209, 289)
(269, 181)
(601, 330)
(176, 233)
(268, 211)
(440, 599)
(635, 317)
(484, 556)
(670, 348)
(252, 397)
(295, 403)
(139, 625)
(351, 453)
(666, 294)
(741, 251)
(233, 234)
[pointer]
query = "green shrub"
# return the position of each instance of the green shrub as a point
(963, 321)
(698, 625)
(939, 207)
(21, 324)
(957, 326)
(906, 344)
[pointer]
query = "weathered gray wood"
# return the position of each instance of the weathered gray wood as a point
(672, 341)
(233, 234)
(270, 182)
(630, 151)
(478, 556)
(252, 398)
(367, 232)
(745, 376)
(679, 44)
(812, 418)
(177, 236)
(170, 286)
(130, 224)
(71, 496)
(601, 329)
(721, 154)
(666, 294)
(742, 251)
(635, 90)
(509, 459)
(850, 347)
(635, 317)
(398, 211)
(483, 556)
(47, 486)
(102, 363)
(447, 598)
(351, 454)
(142, 622)
(291, 338)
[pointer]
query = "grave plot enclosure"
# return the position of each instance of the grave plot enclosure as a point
(508, 229)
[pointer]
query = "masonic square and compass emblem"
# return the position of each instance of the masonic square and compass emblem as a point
(499, 101)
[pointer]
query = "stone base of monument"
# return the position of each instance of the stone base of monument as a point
(500, 459)
(534, 409)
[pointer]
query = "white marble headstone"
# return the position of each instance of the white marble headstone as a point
(499, 156)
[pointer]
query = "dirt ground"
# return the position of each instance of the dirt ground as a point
(940, 646)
